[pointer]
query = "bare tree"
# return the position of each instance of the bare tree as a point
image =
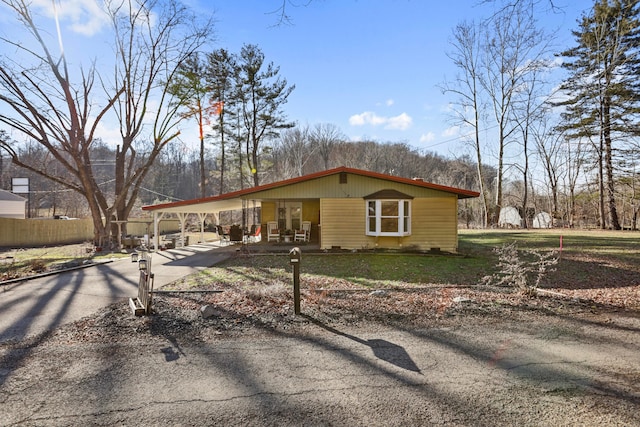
(548, 147)
(467, 105)
(512, 60)
(574, 157)
(153, 40)
(45, 104)
(530, 110)
(295, 152)
(324, 137)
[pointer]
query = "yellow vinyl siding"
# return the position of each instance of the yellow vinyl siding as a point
(311, 211)
(342, 222)
(433, 225)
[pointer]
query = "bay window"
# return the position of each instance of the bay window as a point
(388, 217)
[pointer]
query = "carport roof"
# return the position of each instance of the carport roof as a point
(235, 199)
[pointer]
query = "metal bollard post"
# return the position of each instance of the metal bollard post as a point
(294, 259)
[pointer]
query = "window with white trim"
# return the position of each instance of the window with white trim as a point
(388, 217)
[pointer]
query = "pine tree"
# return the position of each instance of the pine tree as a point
(190, 92)
(261, 93)
(602, 87)
(221, 69)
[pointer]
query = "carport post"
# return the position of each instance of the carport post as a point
(294, 259)
(156, 229)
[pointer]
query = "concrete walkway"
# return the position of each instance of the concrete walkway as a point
(36, 306)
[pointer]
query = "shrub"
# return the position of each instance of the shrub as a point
(523, 269)
(37, 265)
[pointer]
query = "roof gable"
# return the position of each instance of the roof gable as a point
(388, 194)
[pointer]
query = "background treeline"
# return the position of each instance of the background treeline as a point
(299, 151)
(176, 175)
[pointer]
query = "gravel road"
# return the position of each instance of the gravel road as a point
(527, 370)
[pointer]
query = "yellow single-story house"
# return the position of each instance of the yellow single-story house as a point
(347, 208)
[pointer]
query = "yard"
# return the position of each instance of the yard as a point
(383, 339)
(596, 272)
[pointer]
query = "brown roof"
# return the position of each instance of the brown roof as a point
(389, 194)
(462, 194)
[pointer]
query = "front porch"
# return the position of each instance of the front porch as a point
(212, 239)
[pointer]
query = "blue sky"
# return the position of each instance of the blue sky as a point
(370, 67)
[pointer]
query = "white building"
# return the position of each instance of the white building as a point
(12, 205)
(510, 218)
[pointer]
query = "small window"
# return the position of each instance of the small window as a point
(388, 217)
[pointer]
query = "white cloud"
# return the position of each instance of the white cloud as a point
(367, 118)
(400, 122)
(388, 103)
(427, 137)
(451, 131)
(81, 16)
(109, 133)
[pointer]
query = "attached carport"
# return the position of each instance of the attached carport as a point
(199, 207)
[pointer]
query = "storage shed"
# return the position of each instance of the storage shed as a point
(510, 217)
(542, 220)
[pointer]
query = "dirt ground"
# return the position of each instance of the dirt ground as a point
(432, 356)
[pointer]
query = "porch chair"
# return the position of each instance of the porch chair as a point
(272, 231)
(224, 237)
(304, 234)
(254, 234)
(236, 234)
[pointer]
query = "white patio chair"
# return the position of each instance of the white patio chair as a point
(273, 234)
(304, 234)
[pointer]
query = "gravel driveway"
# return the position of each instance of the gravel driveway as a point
(524, 369)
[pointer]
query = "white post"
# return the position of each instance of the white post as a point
(156, 229)
(182, 217)
(202, 217)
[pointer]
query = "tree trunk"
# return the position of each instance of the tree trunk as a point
(603, 218)
(608, 160)
(203, 179)
(223, 156)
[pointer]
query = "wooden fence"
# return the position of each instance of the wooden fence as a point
(22, 233)
(141, 305)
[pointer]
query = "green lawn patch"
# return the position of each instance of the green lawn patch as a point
(590, 259)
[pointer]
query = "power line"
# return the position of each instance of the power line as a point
(459, 137)
(163, 195)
